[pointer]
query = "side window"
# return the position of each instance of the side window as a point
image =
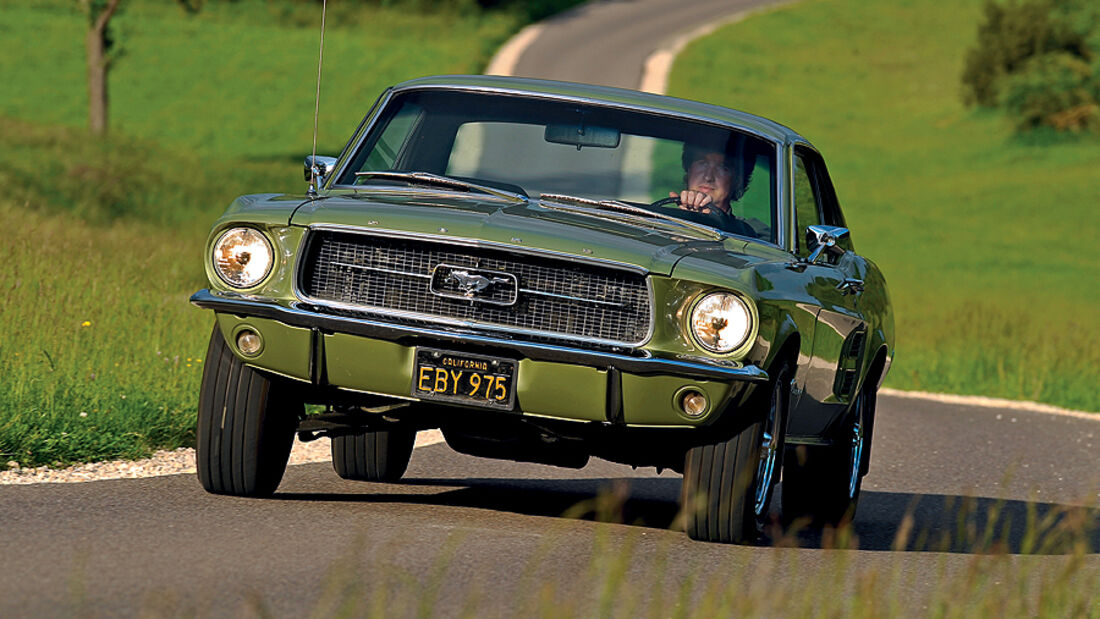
(806, 209)
(387, 150)
(830, 209)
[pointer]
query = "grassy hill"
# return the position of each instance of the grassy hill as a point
(101, 354)
(238, 78)
(986, 238)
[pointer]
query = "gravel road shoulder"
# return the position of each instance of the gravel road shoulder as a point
(175, 462)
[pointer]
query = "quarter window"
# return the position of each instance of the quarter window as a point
(388, 149)
(806, 207)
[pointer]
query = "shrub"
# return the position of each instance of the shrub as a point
(1038, 59)
(1010, 34)
(1056, 90)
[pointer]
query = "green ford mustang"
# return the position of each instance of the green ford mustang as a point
(548, 272)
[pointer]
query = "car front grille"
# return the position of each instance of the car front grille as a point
(488, 289)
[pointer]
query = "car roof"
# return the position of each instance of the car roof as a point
(607, 95)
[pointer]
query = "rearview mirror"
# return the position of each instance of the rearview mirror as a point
(583, 135)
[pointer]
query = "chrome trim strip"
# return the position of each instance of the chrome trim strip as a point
(570, 298)
(790, 243)
(465, 242)
(380, 270)
(461, 242)
(783, 215)
(644, 364)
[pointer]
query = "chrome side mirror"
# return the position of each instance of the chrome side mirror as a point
(822, 239)
(317, 169)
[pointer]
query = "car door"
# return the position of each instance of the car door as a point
(825, 385)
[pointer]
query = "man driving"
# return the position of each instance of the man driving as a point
(715, 174)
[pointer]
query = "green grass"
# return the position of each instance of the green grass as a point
(239, 79)
(987, 240)
(107, 233)
(110, 232)
(630, 576)
(100, 354)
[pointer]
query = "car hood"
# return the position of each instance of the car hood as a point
(522, 225)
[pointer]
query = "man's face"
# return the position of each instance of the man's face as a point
(711, 174)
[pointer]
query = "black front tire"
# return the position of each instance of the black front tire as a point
(373, 456)
(246, 426)
(728, 486)
(821, 484)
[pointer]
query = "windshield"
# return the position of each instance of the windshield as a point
(533, 146)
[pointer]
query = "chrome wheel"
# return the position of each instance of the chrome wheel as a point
(857, 448)
(728, 485)
(769, 449)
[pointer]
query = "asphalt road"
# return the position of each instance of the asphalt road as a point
(608, 42)
(465, 533)
(464, 530)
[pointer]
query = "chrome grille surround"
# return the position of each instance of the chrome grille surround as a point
(560, 297)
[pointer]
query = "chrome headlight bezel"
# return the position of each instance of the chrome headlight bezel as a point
(739, 308)
(258, 266)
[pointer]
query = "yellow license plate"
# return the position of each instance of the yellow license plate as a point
(474, 380)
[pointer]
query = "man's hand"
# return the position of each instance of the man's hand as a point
(692, 200)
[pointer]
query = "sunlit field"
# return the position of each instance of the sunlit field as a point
(101, 354)
(238, 79)
(986, 238)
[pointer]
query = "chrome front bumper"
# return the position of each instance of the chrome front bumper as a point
(641, 363)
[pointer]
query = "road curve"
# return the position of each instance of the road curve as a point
(608, 42)
(462, 530)
(162, 544)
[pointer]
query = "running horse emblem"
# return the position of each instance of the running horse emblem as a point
(473, 284)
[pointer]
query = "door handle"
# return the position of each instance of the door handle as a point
(850, 286)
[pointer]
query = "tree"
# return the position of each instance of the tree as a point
(97, 42)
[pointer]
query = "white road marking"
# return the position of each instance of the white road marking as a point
(659, 64)
(504, 61)
(985, 402)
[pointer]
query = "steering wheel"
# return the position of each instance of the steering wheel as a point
(666, 202)
(729, 223)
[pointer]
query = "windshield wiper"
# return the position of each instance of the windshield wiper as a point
(623, 207)
(427, 178)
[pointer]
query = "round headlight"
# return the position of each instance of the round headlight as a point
(242, 257)
(721, 322)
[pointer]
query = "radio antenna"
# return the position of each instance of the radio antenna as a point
(312, 191)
